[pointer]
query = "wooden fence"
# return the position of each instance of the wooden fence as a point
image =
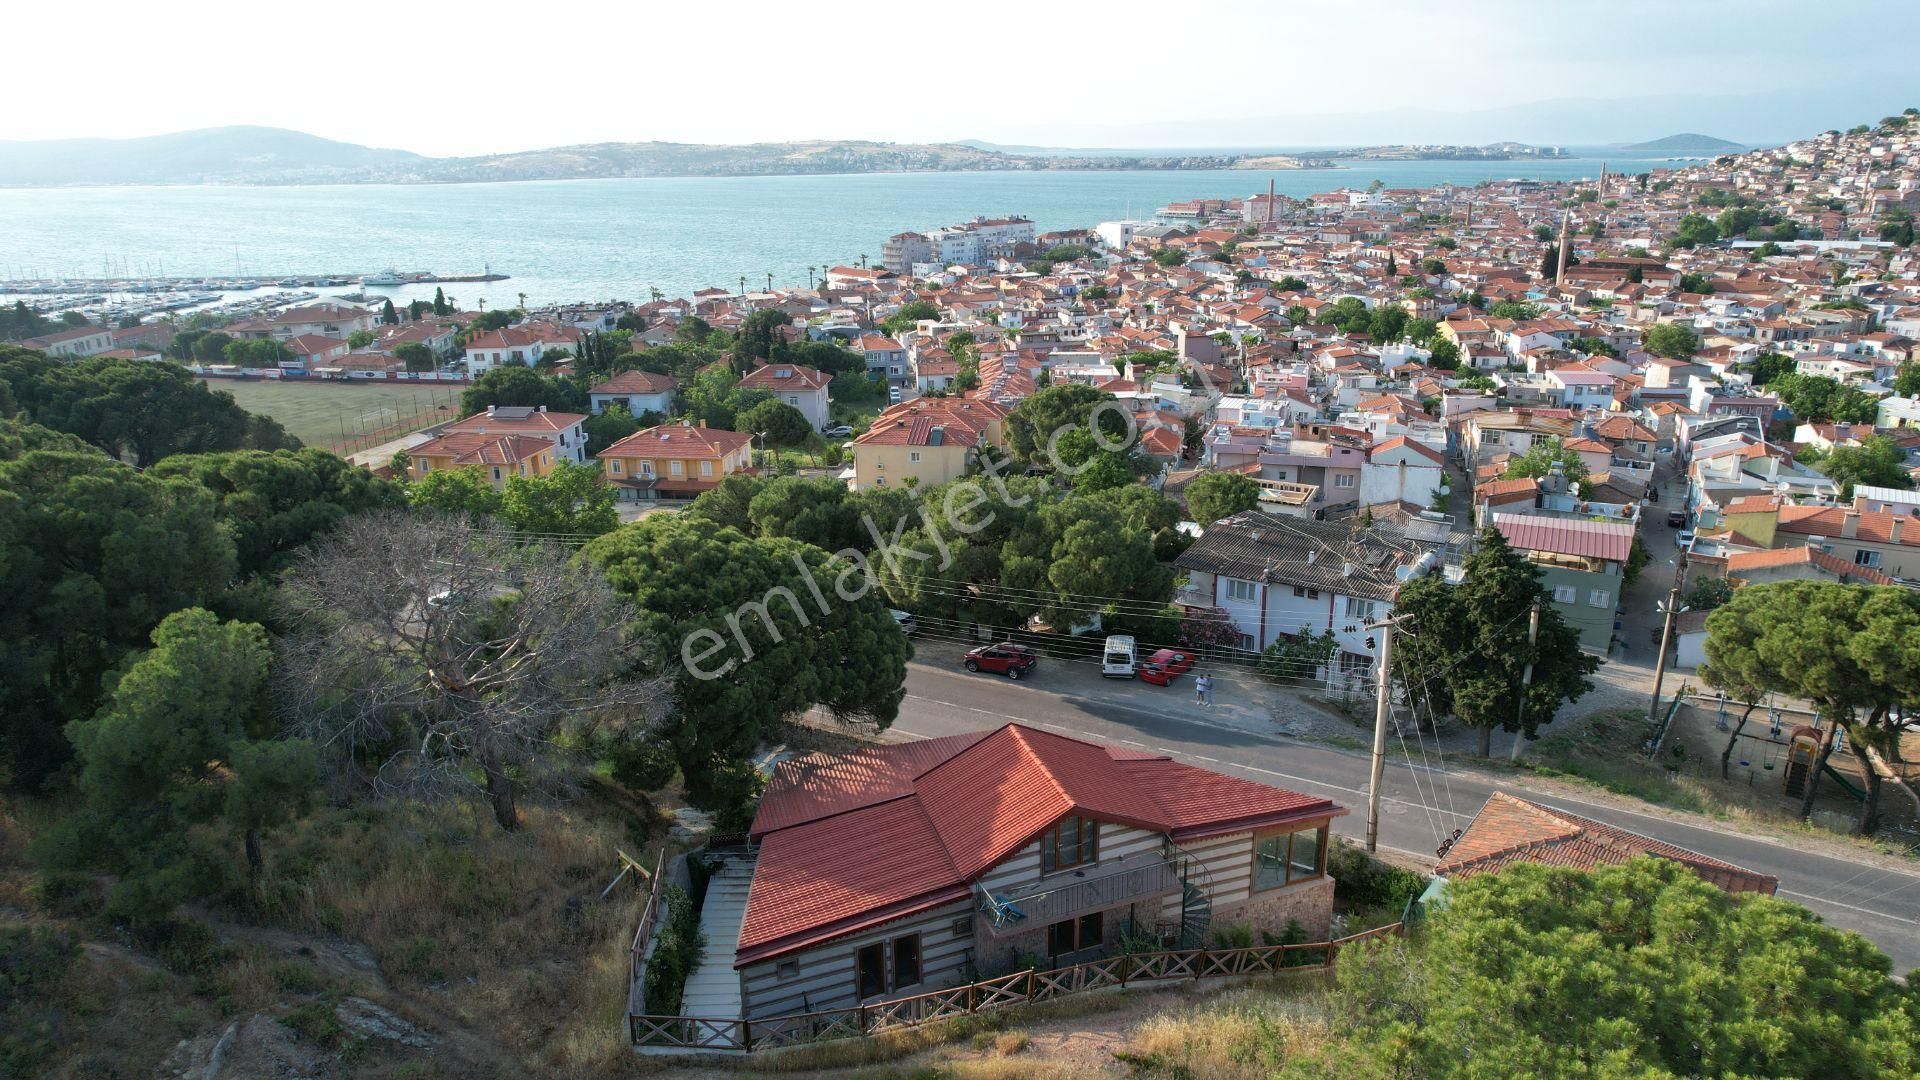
(1019, 988)
(637, 952)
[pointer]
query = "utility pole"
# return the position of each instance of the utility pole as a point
(1666, 636)
(1526, 680)
(1382, 708)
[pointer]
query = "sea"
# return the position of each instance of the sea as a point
(593, 240)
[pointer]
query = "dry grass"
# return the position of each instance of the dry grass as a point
(504, 930)
(1246, 1032)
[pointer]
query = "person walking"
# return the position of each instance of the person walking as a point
(1203, 690)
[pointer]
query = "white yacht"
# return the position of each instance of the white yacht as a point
(385, 277)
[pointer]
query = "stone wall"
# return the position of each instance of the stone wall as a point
(1311, 902)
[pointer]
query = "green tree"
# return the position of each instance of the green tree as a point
(1642, 969)
(910, 314)
(820, 512)
(1878, 461)
(736, 625)
(93, 555)
(1469, 646)
(781, 423)
(1818, 398)
(613, 424)
(134, 411)
(1517, 310)
(1852, 650)
(1167, 256)
(759, 333)
(1696, 283)
(440, 304)
(1059, 409)
(274, 503)
(1215, 496)
(727, 504)
(568, 502)
(512, 384)
(179, 744)
(1290, 283)
(1906, 381)
(1446, 354)
(415, 356)
(1672, 340)
(1540, 459)
(211, 348)
(1694, 230)
(462, 492)
(257, 352)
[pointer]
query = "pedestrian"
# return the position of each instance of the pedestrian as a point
(1203, 690)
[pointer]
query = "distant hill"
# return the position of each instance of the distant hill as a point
(257, 155)
(1688, 145)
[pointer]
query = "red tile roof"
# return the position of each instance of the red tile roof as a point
(636, 382)
(1873, 526)
(1509, 830)
(849, 840)
(784, 377)
(677, 440)
(474, 448)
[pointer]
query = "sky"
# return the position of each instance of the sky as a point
(487, 77)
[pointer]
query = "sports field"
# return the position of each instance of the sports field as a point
(344, 416)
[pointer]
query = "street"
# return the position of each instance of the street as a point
(1421, 803)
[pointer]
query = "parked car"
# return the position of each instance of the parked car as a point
(838, 431)
(1005, 658)
(905, 620)
(1683, 540)
(893, 394)
(1118, 661)
(1164, 666)
(1676, 519)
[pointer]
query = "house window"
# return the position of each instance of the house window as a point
(1866, 558)
(1074, 841)
(1305, 593)
(706, 468)
(913, 456)
(1359, 609)
(614, 464)
(519, 357)
(1565, 594)
(1239, 590)
(1343, 480)
(496, 472)
(870, 965)
(906, 961)
(962, 926)
(793, 399)
(1247, 644)
(786, 969)
(1600, 598)
(1072, 935)
(674, 467)
(1284, 858)
(646, 468)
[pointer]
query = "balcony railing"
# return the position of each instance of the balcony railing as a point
(1048, 902)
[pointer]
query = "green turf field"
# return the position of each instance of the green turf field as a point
(344, 415)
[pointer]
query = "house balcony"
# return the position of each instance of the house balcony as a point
(1047, 902)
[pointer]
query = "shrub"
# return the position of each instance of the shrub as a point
(1362, 881)
(675, 954)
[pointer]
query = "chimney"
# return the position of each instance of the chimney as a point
(543, 408)
(1312, 553)
(1850, 524)
(703, 423)
(1894, 527)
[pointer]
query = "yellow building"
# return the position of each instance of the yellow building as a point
(927, 440)
(674, 461)
(498, 457)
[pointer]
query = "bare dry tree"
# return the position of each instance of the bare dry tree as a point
(431, 657)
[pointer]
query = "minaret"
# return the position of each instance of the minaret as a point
(1603, 179)
(1560, 271)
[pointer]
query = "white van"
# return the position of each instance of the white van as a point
(1118, 662)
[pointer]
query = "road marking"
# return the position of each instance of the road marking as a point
(1847, 907)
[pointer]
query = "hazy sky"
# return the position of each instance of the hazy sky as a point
(482, 76)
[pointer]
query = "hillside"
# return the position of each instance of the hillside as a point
(1685, 145)
(255, 155)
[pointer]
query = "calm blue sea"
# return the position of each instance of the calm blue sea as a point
(605, 239)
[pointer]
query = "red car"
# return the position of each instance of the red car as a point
(1006, 658)
(1164, 666)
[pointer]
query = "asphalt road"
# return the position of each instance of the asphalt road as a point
(1420, 804)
